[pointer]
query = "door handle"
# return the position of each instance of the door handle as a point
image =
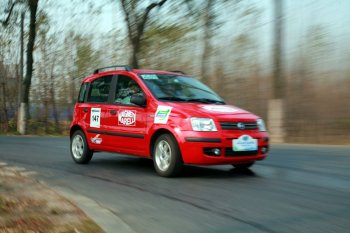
(113, 112)
(85, 109)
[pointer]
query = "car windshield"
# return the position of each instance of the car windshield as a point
(177, 88)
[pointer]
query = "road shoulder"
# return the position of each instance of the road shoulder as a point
(27, 205)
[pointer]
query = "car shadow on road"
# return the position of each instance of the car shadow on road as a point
(215, 172)
(143, 166)
(125, 164)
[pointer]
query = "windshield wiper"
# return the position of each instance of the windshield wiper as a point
(200, 100)
(172, 98)
(206, 101)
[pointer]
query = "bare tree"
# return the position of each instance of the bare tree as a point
(136, 20)
(9, 10)
(53, 100)
(278, 78)
(207, 27)
(24, 109)
(276, 110)
(45, 45)
(3, 99)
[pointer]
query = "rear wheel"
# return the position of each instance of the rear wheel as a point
(167, 159)
(243, 165)
(79, 148)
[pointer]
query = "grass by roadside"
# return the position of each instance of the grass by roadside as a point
(37, 127)
(28, 206)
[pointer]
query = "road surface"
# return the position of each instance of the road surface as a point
(298, 188)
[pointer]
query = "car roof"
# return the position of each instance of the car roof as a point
(98, 74)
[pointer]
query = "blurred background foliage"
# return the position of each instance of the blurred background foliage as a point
(226, 44)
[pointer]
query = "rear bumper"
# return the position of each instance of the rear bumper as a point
(200, 148)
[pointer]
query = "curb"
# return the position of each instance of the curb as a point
(103, 217)
(106, 219)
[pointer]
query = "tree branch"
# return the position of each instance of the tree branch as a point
(127, 18)
(6, 21)
(142, 24)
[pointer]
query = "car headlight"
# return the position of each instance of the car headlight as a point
(203, 124)
(261, 124)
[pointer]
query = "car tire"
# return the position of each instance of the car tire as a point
(242, 166)
(79, 148)
(167, 158)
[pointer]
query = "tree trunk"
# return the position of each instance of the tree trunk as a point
(278, 78)
(276, 106)
(3, 116)
(53, 101)
(45, 116)
(24, 115)
(206, 42)
(133, 60)
(20, 126)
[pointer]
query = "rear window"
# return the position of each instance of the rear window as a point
(99, 90)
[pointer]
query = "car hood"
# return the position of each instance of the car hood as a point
(214, 111)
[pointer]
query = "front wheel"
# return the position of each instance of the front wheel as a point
(167, 159)
(79, 148)
(242, 166)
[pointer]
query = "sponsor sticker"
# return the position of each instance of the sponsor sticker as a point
(149, 76)
(96, 139)
(127, 117)
(226, 109)
(95, 117)
(162, 114)
(245, 143)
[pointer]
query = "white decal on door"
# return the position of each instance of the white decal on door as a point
(127, 117)
(162, 114)
(95, 117)
(96, 139)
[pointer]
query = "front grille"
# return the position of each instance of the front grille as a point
(230, 152)
(234, 125)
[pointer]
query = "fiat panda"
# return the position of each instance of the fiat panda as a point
(169, 117)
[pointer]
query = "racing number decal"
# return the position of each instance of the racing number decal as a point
(95, 117)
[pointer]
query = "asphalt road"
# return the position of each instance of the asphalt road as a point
(296, 189)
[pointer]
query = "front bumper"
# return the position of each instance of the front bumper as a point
(215, 148)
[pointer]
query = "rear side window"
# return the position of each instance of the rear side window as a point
(99, 90)
(82, 92)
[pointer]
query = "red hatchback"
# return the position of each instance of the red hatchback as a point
(169, 117)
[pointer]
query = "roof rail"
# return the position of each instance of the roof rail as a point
(125, 67)
(177, 71)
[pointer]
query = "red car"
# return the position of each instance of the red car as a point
(169, 117)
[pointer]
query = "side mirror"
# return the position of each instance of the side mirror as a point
(139, 100)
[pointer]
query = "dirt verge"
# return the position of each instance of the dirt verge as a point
(29, 206)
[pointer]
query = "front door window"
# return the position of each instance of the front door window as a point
(126, 88)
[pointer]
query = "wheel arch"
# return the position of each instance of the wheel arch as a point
(154, 137)
(73, 129)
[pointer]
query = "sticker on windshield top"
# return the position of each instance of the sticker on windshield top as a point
(149, 76)
(226, 109)
(162, 114)
(127, 117)
(95, 117)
